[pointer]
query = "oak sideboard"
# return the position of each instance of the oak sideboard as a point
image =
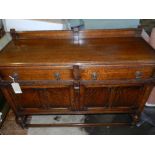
(77, 72)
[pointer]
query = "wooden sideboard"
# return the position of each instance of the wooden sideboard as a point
(77, 72)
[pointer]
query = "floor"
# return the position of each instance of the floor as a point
(11, 128)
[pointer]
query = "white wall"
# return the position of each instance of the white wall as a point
(111, 23)
(60, 24)
(30, 25)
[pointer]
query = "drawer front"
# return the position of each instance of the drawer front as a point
(37, 74)
(116, 73)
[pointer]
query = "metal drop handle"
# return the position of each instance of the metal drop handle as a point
(57, 76)
(138, 75)
(14, 77)
(94, 76)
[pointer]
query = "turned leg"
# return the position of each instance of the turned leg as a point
(135, 119)
(21, 120)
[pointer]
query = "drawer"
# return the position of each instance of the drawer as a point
(114, 73)
(37, 74)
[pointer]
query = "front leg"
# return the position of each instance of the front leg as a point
(135, 119)
(21, 120)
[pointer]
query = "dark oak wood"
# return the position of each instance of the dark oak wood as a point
(77, 125)
(77, 72)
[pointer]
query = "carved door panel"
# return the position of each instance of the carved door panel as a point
(42, 97)
(126, 96)
(100, 97)
(94, 97)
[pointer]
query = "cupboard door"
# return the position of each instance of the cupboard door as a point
(113, 97)
(42, 97)
(93, 97)
(126, 96)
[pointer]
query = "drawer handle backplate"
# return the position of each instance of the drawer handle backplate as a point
(14, 77)
(138, 75)
(57, 76)
(94, 76)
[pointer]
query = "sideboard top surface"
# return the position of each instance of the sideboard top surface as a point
(49, 51)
